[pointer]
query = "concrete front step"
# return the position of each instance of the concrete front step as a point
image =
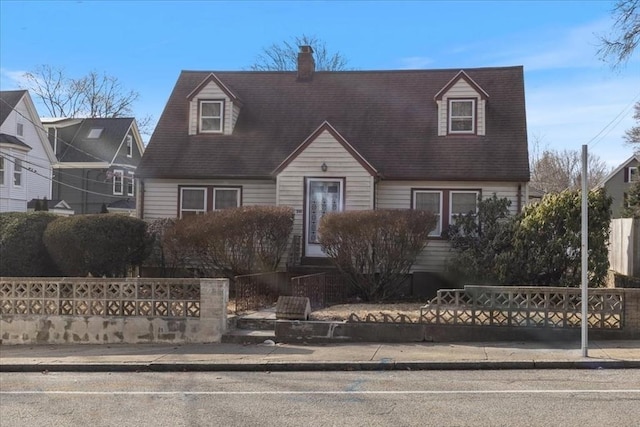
(246, 336)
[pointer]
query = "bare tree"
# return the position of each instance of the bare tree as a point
(284, 56)
(93, 95)
(632, 135)
(623, 40)
(554, 171)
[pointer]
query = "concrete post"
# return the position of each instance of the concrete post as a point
(214, 296)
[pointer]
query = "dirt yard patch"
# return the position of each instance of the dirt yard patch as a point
(342, 311)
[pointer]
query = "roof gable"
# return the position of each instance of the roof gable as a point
(326, 126)
(8, 101)
(626, 163)
(212, 78)
(78, 145)
(461, 76)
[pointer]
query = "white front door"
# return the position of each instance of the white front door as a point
(324, 195)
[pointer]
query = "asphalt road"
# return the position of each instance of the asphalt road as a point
(383, 398)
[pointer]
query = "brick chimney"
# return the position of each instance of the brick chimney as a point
(306, 64)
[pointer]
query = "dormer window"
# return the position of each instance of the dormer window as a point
(211, 116)
(462, 115)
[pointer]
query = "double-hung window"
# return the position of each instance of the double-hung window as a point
(634, 175)
(1, 170)
(20, 129)
(117, 182)
(462, 203)
(129, 145)
(462, 116)
(130, 183)
(226, 198)
(193, 201)
(428, 200)
(211, 116)
(17, 173)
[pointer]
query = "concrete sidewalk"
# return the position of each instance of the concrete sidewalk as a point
(327, 357)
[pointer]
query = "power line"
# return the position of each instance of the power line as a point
(58, 170)
(614, 122)
(69, 185)
(58, 139)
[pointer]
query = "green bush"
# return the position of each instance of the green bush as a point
(232, 242)
(375, 249)
(547, 242)
(541, 246)
(481, 240)
(100, 245)
(22, 251)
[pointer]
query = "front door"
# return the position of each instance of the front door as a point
(324, 195)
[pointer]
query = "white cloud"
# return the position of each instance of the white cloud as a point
(12, 79)
(415, 62)
(568, 113)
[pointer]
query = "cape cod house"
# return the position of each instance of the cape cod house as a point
(26, 159)
(331, 141)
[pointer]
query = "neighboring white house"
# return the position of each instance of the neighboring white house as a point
(26, 158)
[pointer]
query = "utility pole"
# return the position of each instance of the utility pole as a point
(585, 256)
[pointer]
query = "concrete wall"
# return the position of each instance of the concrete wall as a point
(318, 332)
(32, 328)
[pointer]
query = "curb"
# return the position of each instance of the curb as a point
(321, 366)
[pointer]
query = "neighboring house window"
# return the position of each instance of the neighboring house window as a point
(17, 173)
(633, 174)
(462, 203)
(462, 115)
(193, 201)
(430, 201)
(1, 170)
(226, 198)
(117, 182)
(625, 200)
(95, 133)
(211, 116)
(20, 129)
(130, 183)
(129, 145)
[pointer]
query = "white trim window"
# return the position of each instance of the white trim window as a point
(17, 173)
(129, 146)
(210, 115)
(117, 182)
(462, 203)
(130, 184)
(431, 201)
(462, 116)
(193, 201)
(2, 168)
(20, 129)
(226, 198)
(634, 175)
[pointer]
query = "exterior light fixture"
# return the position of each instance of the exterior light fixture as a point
(324, 167)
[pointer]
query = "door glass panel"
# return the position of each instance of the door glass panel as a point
(324, 197)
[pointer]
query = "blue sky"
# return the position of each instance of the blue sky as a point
(572, 97)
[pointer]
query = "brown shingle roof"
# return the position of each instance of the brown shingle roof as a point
(389, 117)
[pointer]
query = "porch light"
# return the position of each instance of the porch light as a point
(324, 167)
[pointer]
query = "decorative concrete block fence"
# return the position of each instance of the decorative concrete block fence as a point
(121, 310)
